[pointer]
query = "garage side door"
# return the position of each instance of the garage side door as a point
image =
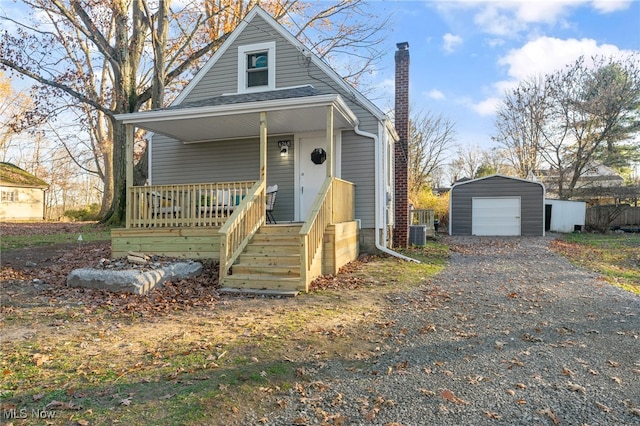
(495, 216)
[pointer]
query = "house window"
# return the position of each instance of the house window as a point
(256, 67)
(9, 196)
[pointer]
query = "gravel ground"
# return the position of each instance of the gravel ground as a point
(510, 333)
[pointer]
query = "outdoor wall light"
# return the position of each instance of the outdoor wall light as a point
(284, 147)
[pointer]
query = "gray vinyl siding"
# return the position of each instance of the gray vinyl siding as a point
(531, 205)
(292, 69)
(358, 167)
(173, 162)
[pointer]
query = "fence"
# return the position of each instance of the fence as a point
(604, 217)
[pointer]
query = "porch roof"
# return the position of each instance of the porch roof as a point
(300, 109)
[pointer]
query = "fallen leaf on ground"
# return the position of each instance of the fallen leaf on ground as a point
(167, 396)
(567, 372)
(427, 392)
(552, 416)
(450, 396)
(59, 405)
(40, 359)
(576, 388)
(492, 415)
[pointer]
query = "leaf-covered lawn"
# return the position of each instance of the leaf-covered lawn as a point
(182, 354)
(615, 256)
(18, 235)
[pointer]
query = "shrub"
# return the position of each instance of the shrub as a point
(88, 213)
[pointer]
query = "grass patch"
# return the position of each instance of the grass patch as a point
(615, 256)
(196, 366)
(90, 233)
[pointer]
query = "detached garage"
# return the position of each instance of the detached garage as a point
(498, 206)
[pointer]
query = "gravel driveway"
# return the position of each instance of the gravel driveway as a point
(510, 333)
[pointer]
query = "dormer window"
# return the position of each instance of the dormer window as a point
(256, 67)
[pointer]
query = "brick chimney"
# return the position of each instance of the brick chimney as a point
(401, 230)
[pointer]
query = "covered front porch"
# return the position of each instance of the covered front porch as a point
(221, 220)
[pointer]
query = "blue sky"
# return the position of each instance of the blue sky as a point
(464, 54)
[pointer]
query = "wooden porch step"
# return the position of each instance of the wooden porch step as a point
(270, 262)
(272, 249)
(266, 270)
(260, 292)
(262, 282)
(289, 228)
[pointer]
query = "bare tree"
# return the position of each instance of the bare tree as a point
(519, 122)
(592, 110)
(576, 117)
(430, 138)
(466, 163)
(123, 56)
(12, 105)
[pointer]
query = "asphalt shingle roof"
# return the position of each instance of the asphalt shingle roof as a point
(13, 175)
(296, 92)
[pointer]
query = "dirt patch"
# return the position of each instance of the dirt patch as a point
(182, 350)
(42, 228)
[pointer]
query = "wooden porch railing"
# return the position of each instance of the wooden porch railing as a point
(334, 204)
(241, 226)
(185, 205)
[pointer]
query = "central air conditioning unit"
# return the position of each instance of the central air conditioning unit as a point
(417, 235)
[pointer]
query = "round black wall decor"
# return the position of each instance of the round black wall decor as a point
(319, 156)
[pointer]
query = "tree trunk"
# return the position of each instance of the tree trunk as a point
(116, 215)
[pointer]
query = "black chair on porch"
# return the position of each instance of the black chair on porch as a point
(271, 193)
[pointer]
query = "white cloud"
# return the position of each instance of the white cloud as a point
(607, 6)
(543, 55)
(486, 107)
(547, 54)
(450, 42)
(510, 17)
(435, 94)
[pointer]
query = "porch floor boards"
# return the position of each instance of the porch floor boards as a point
(270, 262)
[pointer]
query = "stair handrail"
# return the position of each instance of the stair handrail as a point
(312, 232)
(245, 221)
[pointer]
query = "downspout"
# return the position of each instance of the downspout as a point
(381, 195)
(44, 203)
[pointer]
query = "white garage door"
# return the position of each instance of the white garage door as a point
(495, 216)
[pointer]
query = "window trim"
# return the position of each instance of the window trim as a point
(9, 196)
(243, 51)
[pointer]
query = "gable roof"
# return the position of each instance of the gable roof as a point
(12, 175)
(258, 11)
(459, 183)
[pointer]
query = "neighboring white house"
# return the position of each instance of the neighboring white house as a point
(593, 179)
(21, 194)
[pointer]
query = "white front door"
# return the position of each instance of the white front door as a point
(310, 176)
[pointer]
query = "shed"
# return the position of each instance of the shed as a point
(564, 215)
(497, 205)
